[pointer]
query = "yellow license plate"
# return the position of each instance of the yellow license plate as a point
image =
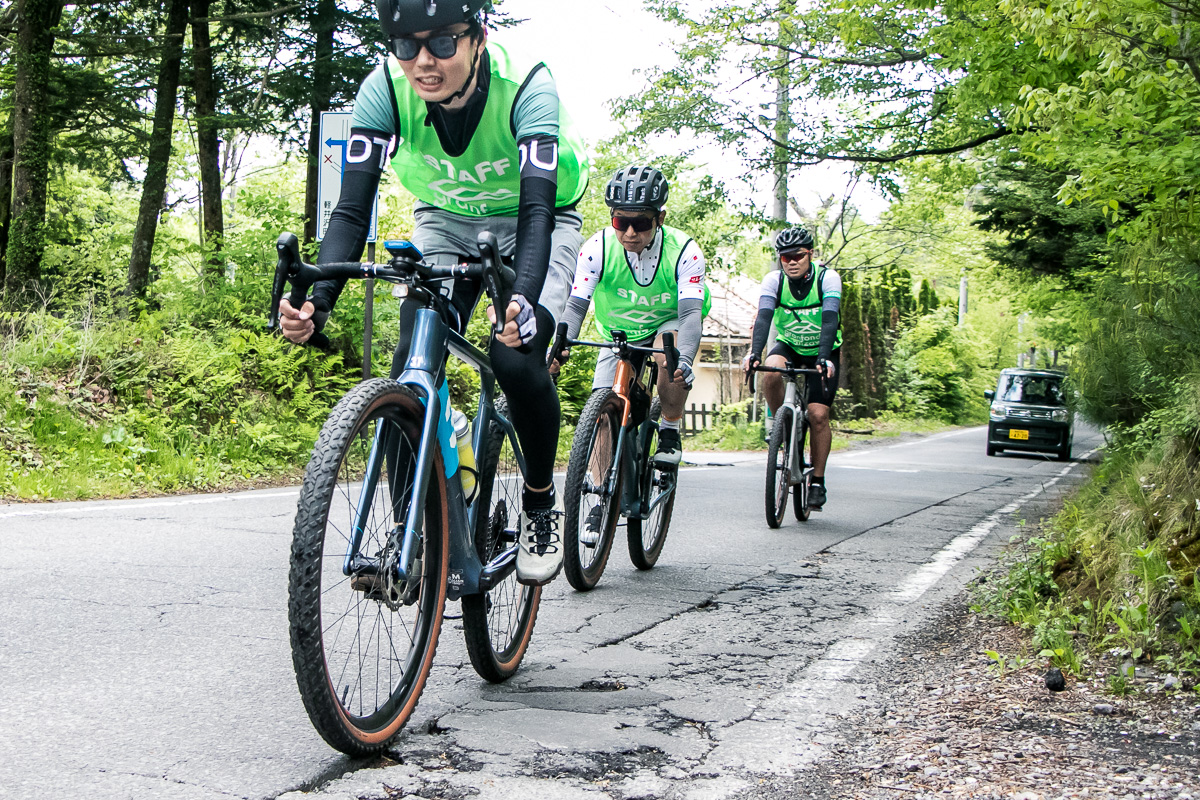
(1016, 434)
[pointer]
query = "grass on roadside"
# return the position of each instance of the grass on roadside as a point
(1110, 582)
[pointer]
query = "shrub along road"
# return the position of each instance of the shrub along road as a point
(146, 648)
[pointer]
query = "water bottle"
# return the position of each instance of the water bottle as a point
(466, 455)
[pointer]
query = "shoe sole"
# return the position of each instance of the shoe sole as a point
(529, 582)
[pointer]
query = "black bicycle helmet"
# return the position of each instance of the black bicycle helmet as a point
(406, 17)
(637, 188)
(793, 239)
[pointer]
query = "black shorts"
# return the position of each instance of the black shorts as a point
(815, 395)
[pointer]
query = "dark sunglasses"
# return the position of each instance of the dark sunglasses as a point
(442, 46)
(639, 224)
(795, 257)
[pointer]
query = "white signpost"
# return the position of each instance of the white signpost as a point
(335, 132)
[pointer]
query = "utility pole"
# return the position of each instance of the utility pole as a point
(783, 127)
(962, 299)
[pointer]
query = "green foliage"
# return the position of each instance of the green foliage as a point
(934, 371)
(1042, 235)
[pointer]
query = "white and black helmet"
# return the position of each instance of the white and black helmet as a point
(793, 239)
(637, 188)
(406, 17)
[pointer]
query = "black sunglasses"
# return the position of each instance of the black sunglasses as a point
(639, 224)
(442, 46)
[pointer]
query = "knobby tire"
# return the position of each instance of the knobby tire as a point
(498, 624)
(362, 649)
(646, 538)
(800, 505)
(593, 459)
(778, 454)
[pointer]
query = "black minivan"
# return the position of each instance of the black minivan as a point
(1030, 413)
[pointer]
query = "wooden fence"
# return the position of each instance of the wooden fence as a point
(702, 418)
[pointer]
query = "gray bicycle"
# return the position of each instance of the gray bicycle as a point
(789, 456)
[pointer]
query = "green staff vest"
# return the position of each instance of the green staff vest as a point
(623, 304)
(798, 322)
(485, 181)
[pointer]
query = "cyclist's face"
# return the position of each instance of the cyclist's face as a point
(635, 241)
(437, 79)
(796, 263)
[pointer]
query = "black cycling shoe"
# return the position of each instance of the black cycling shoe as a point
(670, 448)
(816, 496)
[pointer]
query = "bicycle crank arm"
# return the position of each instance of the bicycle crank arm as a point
(498, 569)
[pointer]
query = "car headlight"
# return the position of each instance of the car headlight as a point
(999, 410)
(1059, 415)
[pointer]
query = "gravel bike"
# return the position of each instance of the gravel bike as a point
(388, 526)
(610, 473)
(789, 456)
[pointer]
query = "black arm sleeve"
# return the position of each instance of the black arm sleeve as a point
(350, 221)
(762, 327)
(829, 328)
(535, 214)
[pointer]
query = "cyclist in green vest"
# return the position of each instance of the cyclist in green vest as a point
(479, 137)
(802, 303)
(644, 278)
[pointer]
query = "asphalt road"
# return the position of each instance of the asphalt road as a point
(145, 654)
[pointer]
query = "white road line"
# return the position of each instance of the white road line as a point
(870, 469)
(924, 440)
(92, 508)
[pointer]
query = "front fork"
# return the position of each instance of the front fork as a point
(423, 373)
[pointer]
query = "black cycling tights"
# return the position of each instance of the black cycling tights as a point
(524, 379)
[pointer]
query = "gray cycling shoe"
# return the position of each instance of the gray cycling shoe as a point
(670, 448)
(540, 555)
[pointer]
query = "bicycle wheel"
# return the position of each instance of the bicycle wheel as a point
(647, 537)
(592, 497)
(363, 644)
(498, 624)
(800, 505)
(778, 453)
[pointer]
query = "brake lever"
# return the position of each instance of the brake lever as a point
(290, 268)
(672, 355)
(497, 282)
(560, 345)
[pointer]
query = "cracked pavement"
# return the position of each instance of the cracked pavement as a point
(146, 655)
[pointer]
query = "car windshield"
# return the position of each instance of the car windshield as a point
(1036, 389)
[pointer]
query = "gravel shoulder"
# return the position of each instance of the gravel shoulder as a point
(947, 722)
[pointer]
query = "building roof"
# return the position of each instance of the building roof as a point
(734, 307)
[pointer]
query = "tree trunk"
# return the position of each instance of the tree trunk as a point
(324, 23)
(6, 178)
(154, 187)
(208, 145)
(31, 137)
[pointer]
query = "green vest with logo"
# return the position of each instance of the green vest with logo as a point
(485, 181)
(798, 321)
(623, 304)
